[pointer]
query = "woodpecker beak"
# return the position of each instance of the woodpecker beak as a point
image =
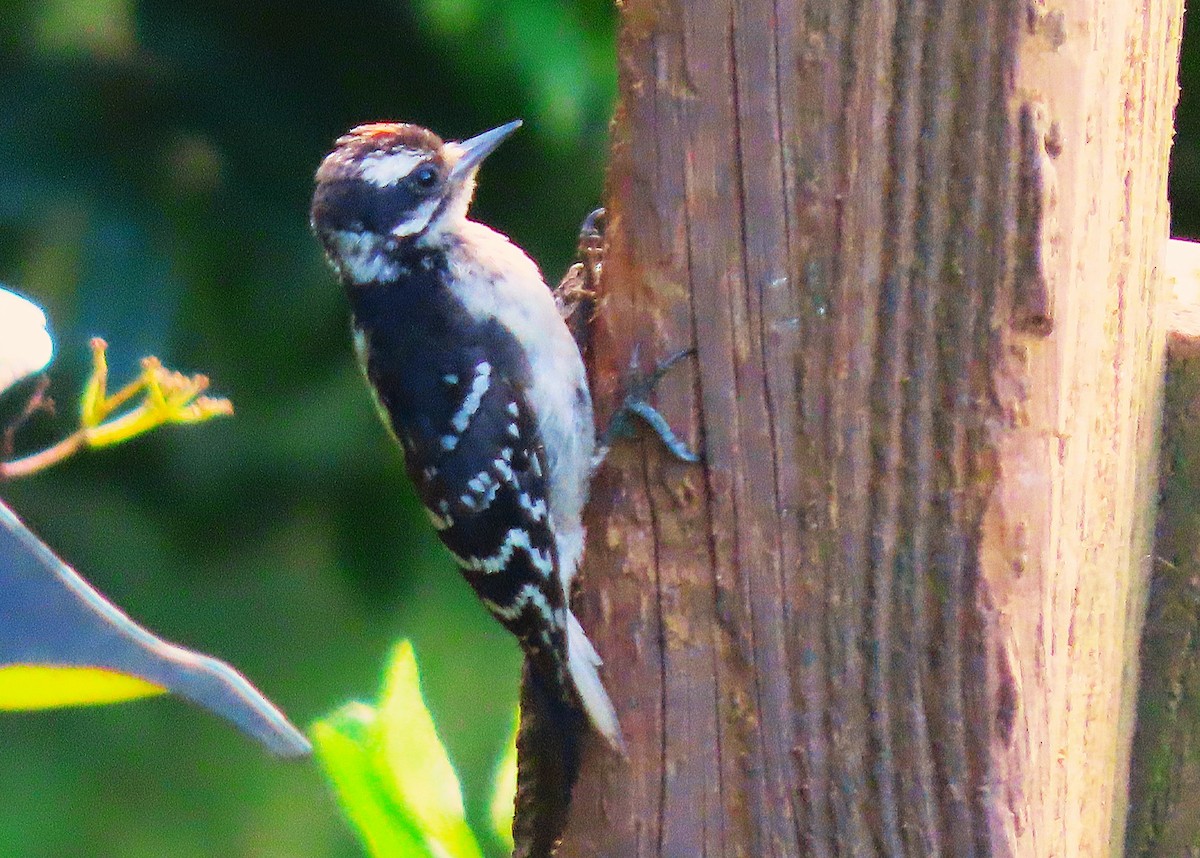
(472, 152)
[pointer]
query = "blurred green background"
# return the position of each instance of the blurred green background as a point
(155, 169)
(1184, 189)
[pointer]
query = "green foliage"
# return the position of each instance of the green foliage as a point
(503, 792)
(563, 77)
(156, 397)
(393, 778)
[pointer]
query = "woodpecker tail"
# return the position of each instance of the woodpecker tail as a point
(553, 725)
(582, 661)
(548, 751)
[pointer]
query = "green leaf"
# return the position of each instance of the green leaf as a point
(424, 780)
(391, 773)
(504, 788)
(346, 757)
(62, 643)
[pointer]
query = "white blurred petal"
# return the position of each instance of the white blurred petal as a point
(25, 345)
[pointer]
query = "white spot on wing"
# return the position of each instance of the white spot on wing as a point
(505, 472)
(486, 486)
(536, 509)
(362, 346)
(470, 404)
(487, 499)
(440, 522)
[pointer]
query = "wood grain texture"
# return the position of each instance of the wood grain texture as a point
(914, 243)
(1075, 506)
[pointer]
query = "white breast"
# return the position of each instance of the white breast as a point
(498, 280)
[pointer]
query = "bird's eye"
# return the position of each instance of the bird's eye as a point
(425, 178)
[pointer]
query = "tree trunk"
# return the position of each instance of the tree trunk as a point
(915, 242)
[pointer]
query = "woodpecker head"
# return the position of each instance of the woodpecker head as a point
(390, 182)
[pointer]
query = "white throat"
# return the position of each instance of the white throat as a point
(452, 218)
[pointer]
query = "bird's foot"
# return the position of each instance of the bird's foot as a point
(575, 294)
(576, 297)
(636, 405)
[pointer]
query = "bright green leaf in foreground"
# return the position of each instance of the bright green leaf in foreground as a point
(343, 745)
(391, 773)
(504, 788)
(423, 777)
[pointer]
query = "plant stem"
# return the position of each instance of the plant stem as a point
(38, 461)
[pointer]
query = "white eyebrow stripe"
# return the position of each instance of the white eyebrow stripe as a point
(383, 170)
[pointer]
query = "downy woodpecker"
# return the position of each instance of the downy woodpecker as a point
(476, 373)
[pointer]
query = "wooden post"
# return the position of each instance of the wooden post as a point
(915, 243)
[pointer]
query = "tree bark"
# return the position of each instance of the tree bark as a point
(914, 242)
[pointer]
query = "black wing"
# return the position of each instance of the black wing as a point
(479, 469)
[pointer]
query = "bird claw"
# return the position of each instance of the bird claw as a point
(636, 404)
(580, 285)
(590, 231)
(579, 288)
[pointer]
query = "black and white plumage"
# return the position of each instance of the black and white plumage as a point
(478, 377)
